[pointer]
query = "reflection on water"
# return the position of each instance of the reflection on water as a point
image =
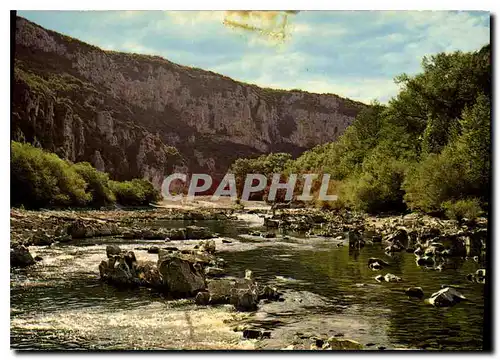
(61, 304)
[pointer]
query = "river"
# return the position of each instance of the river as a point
(60, 303)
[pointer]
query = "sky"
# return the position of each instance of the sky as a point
(354, 54)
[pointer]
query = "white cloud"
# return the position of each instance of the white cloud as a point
(353, 54)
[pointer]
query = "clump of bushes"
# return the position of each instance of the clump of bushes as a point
(41, 179)
(462, 209)
(98, 184)
(377, 187)
(136, 192)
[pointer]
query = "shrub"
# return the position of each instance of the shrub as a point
(458, 210)
(136, 192)
(438, 178)
(39, 178)
(98, 184)
(377, 187)
(71, 187)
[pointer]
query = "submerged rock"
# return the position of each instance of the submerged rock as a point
(393, 248)
(153, 249)
(198, 232)
(335, 343)
(20, 256)
(415, 291)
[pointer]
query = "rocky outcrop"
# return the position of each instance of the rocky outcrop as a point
(142, 116)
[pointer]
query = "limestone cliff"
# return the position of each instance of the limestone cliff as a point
(143, 116)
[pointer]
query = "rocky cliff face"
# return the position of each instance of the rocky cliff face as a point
(143, 116)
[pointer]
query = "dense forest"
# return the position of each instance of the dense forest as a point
(428, 149)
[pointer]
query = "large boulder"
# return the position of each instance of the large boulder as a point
(180, 276)
(399, 237)
(20, 257)
(446, 297)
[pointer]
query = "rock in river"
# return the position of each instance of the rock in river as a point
(202, 298)
(179, 275)
(446, 297)
(415, 291)
(112, 250)
(377, 260)
(388, 278)
(20, 257)
(198, 232)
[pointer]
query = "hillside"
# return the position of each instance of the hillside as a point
(143, 116)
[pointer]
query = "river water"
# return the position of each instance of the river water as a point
(60, 304)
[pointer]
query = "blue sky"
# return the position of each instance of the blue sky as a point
(354, 54)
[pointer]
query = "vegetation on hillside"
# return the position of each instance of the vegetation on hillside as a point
(41, 179)
(427, 150)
